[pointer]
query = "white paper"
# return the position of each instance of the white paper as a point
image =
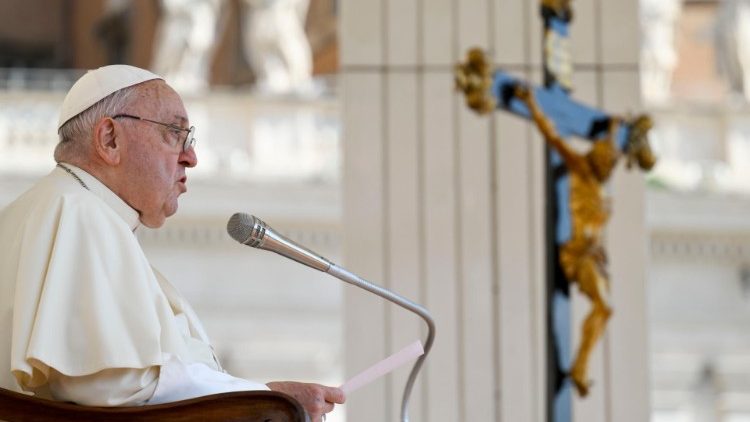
(383, 367)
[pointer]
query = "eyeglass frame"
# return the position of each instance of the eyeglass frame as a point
(187, 143)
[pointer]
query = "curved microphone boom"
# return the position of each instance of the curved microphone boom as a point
(252, 231)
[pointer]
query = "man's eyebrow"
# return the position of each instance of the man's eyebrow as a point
(182, 119)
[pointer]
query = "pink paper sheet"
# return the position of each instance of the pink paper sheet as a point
(383, 367)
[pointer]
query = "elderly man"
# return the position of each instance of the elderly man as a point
(83, 315)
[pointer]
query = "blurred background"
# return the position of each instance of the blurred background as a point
(260, 79)
(695, 82)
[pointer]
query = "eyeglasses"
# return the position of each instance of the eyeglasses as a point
(188, 141)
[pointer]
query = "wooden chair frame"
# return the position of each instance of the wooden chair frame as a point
(242, 406)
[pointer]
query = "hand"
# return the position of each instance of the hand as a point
(315, 398)
(522, 92)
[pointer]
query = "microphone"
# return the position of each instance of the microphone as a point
(252, 231)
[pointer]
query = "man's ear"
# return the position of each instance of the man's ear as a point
(107, 141)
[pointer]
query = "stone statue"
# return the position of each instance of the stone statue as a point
(658, 53)
(733, 45)
(185, 40)
(276, 44)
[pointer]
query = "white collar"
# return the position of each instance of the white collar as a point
(125, 211)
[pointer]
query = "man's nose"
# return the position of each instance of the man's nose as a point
(188, 158)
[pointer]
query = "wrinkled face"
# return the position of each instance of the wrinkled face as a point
(153, 161)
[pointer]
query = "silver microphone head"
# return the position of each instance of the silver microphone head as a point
(247, 229)
(252, 231)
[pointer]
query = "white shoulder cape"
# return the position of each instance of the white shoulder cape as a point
(84, 297)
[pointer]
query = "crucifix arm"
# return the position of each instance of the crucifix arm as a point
(545, 126)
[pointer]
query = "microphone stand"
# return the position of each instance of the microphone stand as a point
(351, 278)
(252, 231)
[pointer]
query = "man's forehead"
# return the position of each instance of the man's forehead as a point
(158, 97)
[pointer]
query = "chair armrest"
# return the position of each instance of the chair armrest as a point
(241, 406)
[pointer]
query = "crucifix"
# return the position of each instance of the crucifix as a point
(577, 208)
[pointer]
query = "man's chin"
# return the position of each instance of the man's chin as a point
(157, 220)
(152, 223)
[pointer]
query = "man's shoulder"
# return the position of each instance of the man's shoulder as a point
(50, 195)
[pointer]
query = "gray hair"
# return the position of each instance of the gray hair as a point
(75, 131)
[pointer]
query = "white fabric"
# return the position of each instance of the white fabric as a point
(179, 381)
(97, 84)
(110, 387)
(78, 299)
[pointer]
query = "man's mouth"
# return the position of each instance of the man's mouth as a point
(182, 183)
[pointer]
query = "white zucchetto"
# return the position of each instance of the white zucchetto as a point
(97, 84)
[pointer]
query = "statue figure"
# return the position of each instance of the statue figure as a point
(185, 41)
(276, 45)
(581, 254)
(583, 258)
(733, 45)
(658, 53)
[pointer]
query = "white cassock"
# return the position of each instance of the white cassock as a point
(83, 315)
